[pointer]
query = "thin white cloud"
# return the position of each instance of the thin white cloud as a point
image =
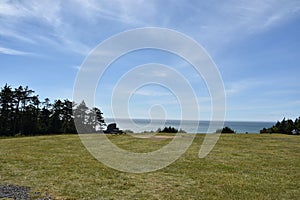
(125, 11)
(10, 32)
(231, 21)
(241, 86)
(18, 18)
(154, 73)
(57, 21)
(9, 51)
(263, 15)
(215, 24)
(76, 67)
(46, 11)
(9, 10)
(152, 93)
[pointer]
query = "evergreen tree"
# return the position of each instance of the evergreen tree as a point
(22, 112)
(80, 117)
(284, 127)
(6, 111)
(68, 125)
(169, 130)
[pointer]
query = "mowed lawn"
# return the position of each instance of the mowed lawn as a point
(248, 166)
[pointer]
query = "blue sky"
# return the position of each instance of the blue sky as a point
(255, 45)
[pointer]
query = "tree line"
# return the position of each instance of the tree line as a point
(286, 126)
(23, 113)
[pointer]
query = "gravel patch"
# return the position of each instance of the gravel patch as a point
(19, 193)
(15, 192)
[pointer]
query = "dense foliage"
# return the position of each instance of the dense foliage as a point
(168, 130)
(225, 130)
(23, 113)
(285, 127)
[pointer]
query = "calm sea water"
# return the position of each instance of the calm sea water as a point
(141, 125)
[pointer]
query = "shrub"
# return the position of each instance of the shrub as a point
(169, 130)
(181, 131)
(225, 130)
(128, 131)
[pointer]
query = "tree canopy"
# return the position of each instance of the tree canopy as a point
(286, 126)
(226, 129)
(168, 130)
(23, 113)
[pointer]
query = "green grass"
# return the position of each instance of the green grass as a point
(239, 167)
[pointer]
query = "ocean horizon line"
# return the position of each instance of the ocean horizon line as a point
(190, 126)
(195, 120)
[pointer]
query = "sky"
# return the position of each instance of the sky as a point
(254, 44)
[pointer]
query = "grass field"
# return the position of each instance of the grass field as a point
(248, 166)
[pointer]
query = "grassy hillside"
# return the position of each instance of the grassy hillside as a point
(239, 167)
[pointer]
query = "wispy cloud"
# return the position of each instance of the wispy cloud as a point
(9, 9)
(152, 93)
(262, 15)
(241, 86)
(8, 31)
(48, 11)
(231, 21)
(214, 24)
(76, 67)
(56, 21)
(37, 23)
(14, 52)
(124, 11)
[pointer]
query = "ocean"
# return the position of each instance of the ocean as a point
(190, 126)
